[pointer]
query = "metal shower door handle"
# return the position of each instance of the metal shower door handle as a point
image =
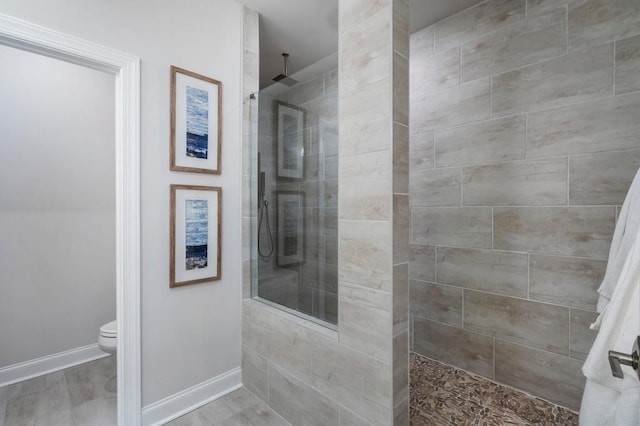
(618, 359)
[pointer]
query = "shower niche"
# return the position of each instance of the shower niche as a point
(294, 197)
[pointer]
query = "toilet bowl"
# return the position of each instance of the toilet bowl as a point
(108, 337)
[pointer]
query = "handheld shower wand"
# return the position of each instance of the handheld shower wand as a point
(263, 213)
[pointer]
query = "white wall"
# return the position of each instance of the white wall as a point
(57, 205)
(189, 334)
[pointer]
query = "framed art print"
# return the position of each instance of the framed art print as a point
(289, 141)
(290, 228)
(196, 124)
(195, 234)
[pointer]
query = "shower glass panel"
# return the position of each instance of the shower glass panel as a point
(294, 193)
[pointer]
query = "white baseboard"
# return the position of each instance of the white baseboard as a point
(181, 403)
(48, 364)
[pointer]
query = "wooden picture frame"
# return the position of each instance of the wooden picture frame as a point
(195, 234)
(290, 228)
(290, 126)
(196, 122)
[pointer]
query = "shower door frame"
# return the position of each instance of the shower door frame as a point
(26, 36)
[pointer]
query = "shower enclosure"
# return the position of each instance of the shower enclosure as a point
(294, 197)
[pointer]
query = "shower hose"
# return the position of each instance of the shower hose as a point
(264, 211)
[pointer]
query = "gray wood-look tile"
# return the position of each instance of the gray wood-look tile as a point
(362, 67)
(598, 21)
(452, 226)
(299, 403)
(566, 281)
(422, 265)
(490, 141)
(285, 343)
(331, 166)
(400, 159)
(365, 250)
(516, 183)
(627, 65)
(401, 91)
(356, 12)
(549, 375)
(553, 83)
(525, 42)
(401, 228)
(401, 413)
(436, 302)
(365, 320)
(400, 298)
(43, 400)
(239, 400)
(486, 270)
(538, 6)
(255, 373)
(582, 336)
(569, 231)
(531, 323)
(461, 348)
(91, 381)
(97, 412)
(400, 367)
(485, 17)
(347, 418)
(366, 129)
(428, 73)
(369, 178)
(420, 151)
(361, 383)
(258, 414)
(401, 31)
(435, 187)
(421, 42)
(602, 178)
(304, 92)
(603, 125)
(3, 404)
(451, 107)
(331, 251)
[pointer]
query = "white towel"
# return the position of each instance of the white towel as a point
(627, 228)
(608, 400)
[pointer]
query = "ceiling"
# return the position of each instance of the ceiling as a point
(308, 29)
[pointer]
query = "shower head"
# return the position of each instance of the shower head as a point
(284, 78)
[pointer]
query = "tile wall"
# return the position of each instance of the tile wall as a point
(357, 375)
(524, 138)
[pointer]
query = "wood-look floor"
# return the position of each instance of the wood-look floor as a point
(77, 396)
(238, 408)
(440, 395)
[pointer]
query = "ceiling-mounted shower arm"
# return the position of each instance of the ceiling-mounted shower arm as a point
(284, 78)
(285, 57)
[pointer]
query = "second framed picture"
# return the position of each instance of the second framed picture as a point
(195, 234)
(196, 125)
(290, 122)
(290, 228)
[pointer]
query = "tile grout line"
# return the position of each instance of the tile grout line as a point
(614, 68)
(494, 356)
(492, 229)
(528, 276)
(568, 180)
(570, 330)
(566, 32)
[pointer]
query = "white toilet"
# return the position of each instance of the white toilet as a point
(108, 338)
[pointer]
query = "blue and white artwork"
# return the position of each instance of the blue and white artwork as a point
(197, 122)
(197, 230)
